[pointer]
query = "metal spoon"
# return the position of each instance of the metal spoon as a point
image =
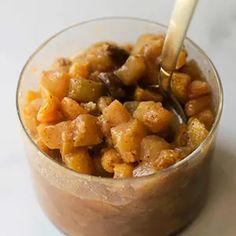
(177, 29)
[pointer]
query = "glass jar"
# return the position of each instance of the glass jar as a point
(159, 204)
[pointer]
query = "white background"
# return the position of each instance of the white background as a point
(25, 24)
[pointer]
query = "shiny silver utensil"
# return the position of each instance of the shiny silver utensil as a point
(177, 29)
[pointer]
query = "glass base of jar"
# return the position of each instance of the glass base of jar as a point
(75, 216)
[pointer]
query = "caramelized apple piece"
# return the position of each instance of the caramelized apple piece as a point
(50, 110)
(86, 131)
(151, 146)
(109, 159)
(71, 109)
(127, 137)
(194, 106)
(123, 170)
(56, 82)
(154, 116)
(116, 114)
(80, 161)
(133, 70)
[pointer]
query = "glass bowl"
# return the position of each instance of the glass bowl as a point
(159, 204)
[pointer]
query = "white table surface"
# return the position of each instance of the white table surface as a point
(25, 24)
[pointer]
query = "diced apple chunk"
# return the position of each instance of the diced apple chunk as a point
(194, 106)
(141, 94)
(80, 161)
(198, 88)
(56, 82)
(49, 110)
(154, 116)
(71, 109)
(86, 131)
(98, 57)
(127, 137)
(51, 135)
(166, 158)
(32, 95)
(104, 126)
(123, 170)
(149, 45)
(196, 133)
(79, 70)
(67, 145)
(179, 85)
(116, 114)
(44, 148)
(109, 159)
(151, 146)
(206, 117)
(29, 115)
(181, 136)
(133, 69)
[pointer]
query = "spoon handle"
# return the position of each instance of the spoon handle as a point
(178, 26)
